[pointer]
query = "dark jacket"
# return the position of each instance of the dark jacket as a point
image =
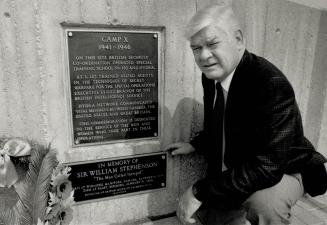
(263, 137)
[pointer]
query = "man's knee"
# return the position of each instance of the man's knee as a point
(273, 205)
(263, 210)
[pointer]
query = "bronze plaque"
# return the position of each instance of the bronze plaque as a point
(113, 85)
(112, 177)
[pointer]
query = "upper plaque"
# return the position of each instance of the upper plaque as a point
(113, 85)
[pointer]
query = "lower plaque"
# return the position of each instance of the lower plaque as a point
(111, 177)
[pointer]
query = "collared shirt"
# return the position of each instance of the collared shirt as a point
(225, 85)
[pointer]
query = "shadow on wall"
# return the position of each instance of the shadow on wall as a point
(182, 171)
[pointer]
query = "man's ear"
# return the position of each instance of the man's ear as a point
(238, 35)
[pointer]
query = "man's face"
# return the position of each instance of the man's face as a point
(216, 53)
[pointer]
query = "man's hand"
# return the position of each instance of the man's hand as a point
(187, 206)
(180, 148)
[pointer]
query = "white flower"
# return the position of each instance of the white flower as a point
(39, 222)
(53, 199)
(69, 201)
(63, 189)
(66, 216)
(60, 175)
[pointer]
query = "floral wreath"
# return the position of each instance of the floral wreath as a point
(44, 192)
(61, 198)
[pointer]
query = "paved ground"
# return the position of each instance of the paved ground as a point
(311, 211)
(308, 211)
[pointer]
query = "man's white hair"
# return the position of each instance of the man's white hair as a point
(217, 15)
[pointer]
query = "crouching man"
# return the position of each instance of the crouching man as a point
(259, 162)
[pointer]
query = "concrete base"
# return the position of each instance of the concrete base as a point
(167, 221)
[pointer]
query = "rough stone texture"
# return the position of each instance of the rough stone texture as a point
(33, 95)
